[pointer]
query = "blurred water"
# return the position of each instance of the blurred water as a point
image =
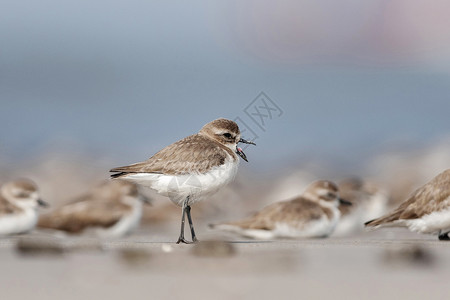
(125, 79)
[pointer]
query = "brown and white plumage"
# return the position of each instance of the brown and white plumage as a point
(191, 169)
(313, 214)
(195, 166)
(112, 209)
(193, 154)
(368, 200)
(426, 211)
(19, 200)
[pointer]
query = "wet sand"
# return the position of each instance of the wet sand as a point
(385, 264)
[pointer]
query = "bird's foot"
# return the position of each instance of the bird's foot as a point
(184, 241)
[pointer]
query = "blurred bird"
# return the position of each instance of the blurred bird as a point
(426, 211)
(111, 210)
(19, 200)
(368, 199)
(313, 214)
(191, 169)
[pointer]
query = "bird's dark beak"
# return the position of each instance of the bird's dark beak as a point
(241, 153)
(42, 203)
(239, 150)
(246, 142)
(344, 202)
(146, 200)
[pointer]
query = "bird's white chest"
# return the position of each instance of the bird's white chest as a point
(196, 185)
(18, 222)
(126, 224)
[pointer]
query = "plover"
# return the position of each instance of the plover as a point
(313, 214)
(19, 200)
(111, 210)
(191, 169)
(369, 201)
(426, 211)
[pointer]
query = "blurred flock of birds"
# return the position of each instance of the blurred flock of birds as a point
(74, 193)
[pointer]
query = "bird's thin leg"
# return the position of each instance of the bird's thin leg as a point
(181, 238)
(191, 225)
(443, 236)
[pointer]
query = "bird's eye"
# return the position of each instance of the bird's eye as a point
(227, 135)
(331, 195)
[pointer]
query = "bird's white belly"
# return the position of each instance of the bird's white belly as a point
(315, 228)
(431, 223)
(375, 208)
(19, 222)
(125, 225)
(196, 186)
(363, 212)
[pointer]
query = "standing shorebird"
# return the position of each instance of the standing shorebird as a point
(19, 201)
(110, 210)
(313, 214)
(426, 211)
(191, 169)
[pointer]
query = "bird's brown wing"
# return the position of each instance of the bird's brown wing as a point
(193, 154)
(77, 216)
(431, 197)
(295, 212)
(7, 207)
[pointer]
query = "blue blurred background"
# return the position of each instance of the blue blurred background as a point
(364, 90)
(122, 79)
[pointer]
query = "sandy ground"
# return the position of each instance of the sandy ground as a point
(385, 264)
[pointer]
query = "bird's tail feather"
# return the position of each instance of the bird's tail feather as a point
(383, 221)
